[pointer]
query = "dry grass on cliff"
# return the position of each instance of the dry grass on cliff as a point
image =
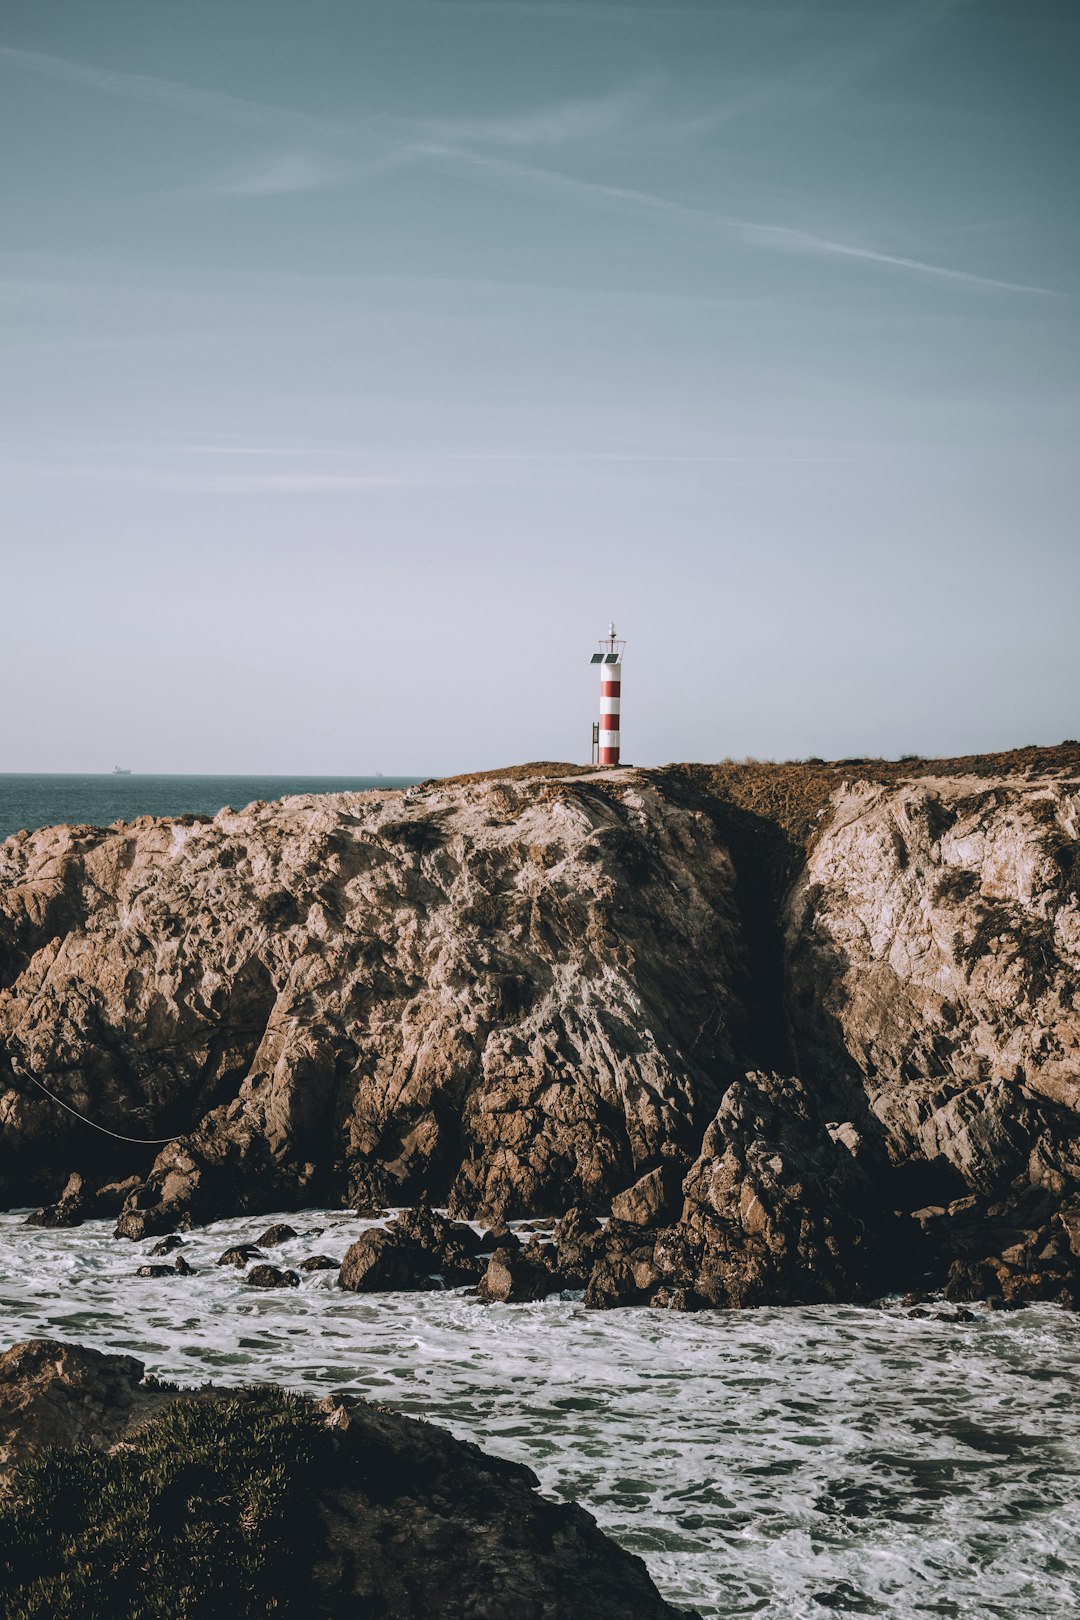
(512, 773)
(791, 794)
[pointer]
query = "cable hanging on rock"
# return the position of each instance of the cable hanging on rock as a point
(142, 1141)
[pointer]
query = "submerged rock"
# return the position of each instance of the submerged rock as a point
(300, 1506)
(265, 1276)
(279, 1233)
(240, 1255)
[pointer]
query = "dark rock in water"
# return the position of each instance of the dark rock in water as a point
(266, 1276)
(168, 1244)
(675, 1299)
(612, 1282)
(281, 1233)
(319, 1262)
(776, 1212)
(359, 1511)
(414, 1251)
(499, 1237)
(156, 1271)
(577, 1236)
(514, 1279)
(378, 1262)
(80, 1201)
(241, 1255)
(71, 1208)
(182, 1268)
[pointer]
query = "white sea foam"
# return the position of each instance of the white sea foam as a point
(779, 1463)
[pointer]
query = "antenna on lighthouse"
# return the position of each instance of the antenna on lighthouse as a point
(607, 736)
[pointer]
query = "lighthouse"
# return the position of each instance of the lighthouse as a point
(606, 736)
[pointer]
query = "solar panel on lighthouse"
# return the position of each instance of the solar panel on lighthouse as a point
(610, 660)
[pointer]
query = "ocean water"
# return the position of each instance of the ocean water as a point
(777, 1463)
(44, 801)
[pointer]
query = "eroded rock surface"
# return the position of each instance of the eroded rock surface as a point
(510, 997)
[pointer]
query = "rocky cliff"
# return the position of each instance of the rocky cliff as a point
(810, 1027)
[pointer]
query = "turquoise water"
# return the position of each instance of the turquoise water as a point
(44, 801)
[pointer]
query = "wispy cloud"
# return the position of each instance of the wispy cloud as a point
(554, 125)
(773, 238)
(279, 176)
(166, 93)
(469, 148)
(784, 239)
(294, 483)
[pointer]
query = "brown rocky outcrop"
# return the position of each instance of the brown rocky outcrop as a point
(750, 1011)
(508, 996)
(384, 1514)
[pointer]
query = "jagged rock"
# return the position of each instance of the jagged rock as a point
(515, 1279)
(266, 1276)
(70, 1208)
(380, 1262)
(182, 1268)
(417, 1249)
(578, 1236)
(411, 1522)
(933, 943)
(156, 1271)
(80, 1202)
(240, 1255)
(654, 1198)
(778, 1211)
(320, 1262)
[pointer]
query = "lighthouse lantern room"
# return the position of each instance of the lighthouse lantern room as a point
(607, 735)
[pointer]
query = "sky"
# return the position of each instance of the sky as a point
(360, 361)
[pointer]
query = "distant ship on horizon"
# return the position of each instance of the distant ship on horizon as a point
(118, 770)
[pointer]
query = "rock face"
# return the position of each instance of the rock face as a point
(934, 957)
(506, 996)
(764, 1016)
(379, 1514)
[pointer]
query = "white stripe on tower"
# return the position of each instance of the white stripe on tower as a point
(610, 709)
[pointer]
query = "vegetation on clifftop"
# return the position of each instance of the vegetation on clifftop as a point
(206, 1511)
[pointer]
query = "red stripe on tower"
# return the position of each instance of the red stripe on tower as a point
(607, 736)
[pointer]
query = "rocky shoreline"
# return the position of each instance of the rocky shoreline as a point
(122, 1494)
(757, 1034)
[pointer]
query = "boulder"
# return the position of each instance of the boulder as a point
(240, 1255)
(516, 1279)
(266, 1276)
(279, 1233)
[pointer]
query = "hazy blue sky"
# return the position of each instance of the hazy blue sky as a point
(361, 360)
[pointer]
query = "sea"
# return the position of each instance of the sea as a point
(784, 1463)
(45, 801)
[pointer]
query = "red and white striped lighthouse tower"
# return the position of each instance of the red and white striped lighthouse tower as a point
(608, 735)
